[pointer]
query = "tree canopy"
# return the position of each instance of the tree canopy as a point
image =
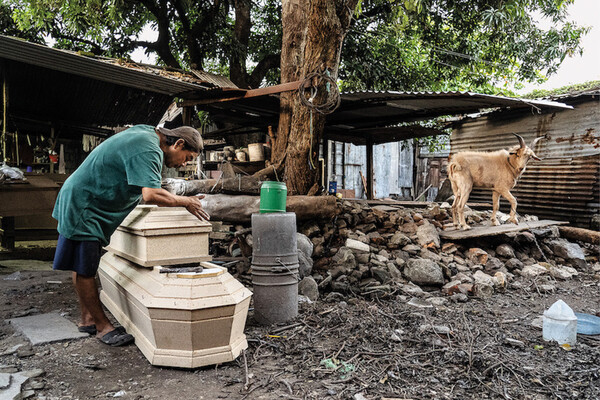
(484, 45)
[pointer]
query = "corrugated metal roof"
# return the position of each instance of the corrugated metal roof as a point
(51, 96)
(213, 79)
(360, 112)
(564, 185)
(128, 75)
(574, 94)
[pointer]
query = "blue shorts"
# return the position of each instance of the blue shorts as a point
(82, 257)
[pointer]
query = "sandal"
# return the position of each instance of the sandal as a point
(90, 329)
(117, 337)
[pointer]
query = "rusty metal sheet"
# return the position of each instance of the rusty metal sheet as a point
(89, 67)
(564, 184)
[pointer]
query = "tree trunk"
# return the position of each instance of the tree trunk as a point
(237, 185)
(240, 185)
(313, 32)
(583, 235)
(239, 209)
(241, 38)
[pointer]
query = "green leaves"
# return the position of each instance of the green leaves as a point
(487, 45)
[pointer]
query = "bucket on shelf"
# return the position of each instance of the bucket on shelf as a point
(273, 197)
(275, 265)
(256, 152)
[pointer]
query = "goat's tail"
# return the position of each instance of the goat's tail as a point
(452, 168)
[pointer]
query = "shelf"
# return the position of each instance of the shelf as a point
(233, 162)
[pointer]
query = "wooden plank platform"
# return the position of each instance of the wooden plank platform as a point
(415, 204)
(481, 231)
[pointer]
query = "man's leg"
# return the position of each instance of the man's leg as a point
(89, 300)
(86, 318)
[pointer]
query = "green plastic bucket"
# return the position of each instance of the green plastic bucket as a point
(272, 197)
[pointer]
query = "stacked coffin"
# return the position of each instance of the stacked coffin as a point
(178, 318)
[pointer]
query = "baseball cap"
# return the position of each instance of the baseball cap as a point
(191, 136)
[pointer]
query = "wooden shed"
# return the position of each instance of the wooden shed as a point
(565, 184)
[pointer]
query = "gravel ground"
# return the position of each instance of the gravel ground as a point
(340, 347)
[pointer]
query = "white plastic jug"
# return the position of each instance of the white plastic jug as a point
(560, 324)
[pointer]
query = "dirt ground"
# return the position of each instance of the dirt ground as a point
(340, 347)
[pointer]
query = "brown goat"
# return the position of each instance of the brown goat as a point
(498, 170)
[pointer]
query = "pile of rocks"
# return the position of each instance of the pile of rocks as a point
(381, 250)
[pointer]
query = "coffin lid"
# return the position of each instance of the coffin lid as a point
(148, 218)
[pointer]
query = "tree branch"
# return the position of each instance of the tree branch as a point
(162, 45)
(239, 49)
(195, 54)
(96, 48)
(260, 71)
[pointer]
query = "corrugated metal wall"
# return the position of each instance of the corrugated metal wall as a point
(564, 185)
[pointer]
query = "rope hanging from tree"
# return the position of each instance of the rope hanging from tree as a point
(313, 85)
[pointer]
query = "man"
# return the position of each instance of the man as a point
(98, 196)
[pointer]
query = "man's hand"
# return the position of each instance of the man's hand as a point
(163, 198)
(195, 207)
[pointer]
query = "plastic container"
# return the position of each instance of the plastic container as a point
(240, 155)
(332, 187)
(560, 324)
(274, 267)
(588, 324)
(256, 152)
(273, 196)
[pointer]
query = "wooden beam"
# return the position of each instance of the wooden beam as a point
(284, 87)
(370, 187)
(481, 231)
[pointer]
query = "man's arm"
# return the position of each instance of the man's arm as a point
(163, 198)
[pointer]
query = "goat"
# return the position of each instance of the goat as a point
(498, 170)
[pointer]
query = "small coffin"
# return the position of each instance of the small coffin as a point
(185, 320)
(152, 235)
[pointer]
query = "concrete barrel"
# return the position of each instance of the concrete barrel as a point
(274, 267)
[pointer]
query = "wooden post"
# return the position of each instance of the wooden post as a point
(53, 147)
(186, 115)
(343, 171)
(370, 192)
(326, 173)
(8, 233)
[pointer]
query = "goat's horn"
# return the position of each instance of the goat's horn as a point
(536, 140)
(521, 141)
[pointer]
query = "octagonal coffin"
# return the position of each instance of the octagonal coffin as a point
(183, 320)
(152, 235)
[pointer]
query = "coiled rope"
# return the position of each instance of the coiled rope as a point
(309, 89)
(312, 84)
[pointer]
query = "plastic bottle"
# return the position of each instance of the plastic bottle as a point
(560, 324)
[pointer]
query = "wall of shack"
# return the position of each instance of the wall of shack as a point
(565, 184)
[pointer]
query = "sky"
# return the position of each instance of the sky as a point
(576, 69)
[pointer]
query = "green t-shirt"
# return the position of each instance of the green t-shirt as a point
(97, 197)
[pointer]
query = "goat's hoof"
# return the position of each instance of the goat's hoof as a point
(495, 223)
(466, 227)
(514, 221)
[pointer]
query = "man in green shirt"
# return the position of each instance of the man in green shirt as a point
(98, 196)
